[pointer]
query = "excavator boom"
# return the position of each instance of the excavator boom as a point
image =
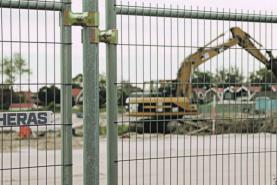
(239, 37)
(177, 103)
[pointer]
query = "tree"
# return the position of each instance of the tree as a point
(228, 77)
(202, 79)
(124, 91)
(102, 80)
(14, 68)
(8, 96)
(102, 90)
(77, 81)
(263, 77)
(48, 95)
(220, 78)
(233, 77)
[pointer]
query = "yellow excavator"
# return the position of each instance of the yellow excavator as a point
(177, 102)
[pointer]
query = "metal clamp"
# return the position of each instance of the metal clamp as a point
(106, 36)
(81, 19)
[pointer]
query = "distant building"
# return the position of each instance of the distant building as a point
(241, 93)
(78, 80)
(229, 93)
(215, 91)
(75, 93)
(28, 97)
(22, 106)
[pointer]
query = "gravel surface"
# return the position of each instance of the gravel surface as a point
(154, 159)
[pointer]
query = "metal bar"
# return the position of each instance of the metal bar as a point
(66, 102)
(111, 68)
(35, 5)
(91, 102)
(192, 14)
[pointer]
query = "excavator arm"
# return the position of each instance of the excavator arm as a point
(239, 37)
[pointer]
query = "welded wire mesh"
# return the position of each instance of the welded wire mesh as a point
(231, 138)
(30, 81)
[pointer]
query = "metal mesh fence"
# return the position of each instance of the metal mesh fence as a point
(196, 93)
(31, 123)
(196, 96)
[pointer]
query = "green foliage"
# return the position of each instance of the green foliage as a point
(78, 83)
(121, 129)
(53, 107)
(102, 96)
(202, 79)
(228, 77)
(124, 91)
(102, 80)
(13, 68)
(102, 130)
(7, 96)
(233, 77)
(263, 77)
(47, 95)
(224, 78)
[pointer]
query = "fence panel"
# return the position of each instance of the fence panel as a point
(35, 116)
(180, 122)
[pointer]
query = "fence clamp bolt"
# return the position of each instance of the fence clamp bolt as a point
(106, 36)
(81, 19)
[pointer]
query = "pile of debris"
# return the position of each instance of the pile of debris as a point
(205, 125)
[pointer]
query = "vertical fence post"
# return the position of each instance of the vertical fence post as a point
(66, 101)
(90, 102)
(111, 69)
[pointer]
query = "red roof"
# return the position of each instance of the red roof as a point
(236, 88)
(197, 90)
(216, 89)
(219, 89)
(75, 92)
(255, 88)
(21, 105)
(28, 95)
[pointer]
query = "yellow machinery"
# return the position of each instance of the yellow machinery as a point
(177, 103)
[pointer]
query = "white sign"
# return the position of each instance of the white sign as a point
(26, 118)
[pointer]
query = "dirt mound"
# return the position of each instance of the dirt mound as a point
(205, 126)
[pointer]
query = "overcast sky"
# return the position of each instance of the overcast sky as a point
(166, 65)
(137, 64)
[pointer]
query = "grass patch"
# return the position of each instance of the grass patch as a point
(121, 129)
(102, 130)
(102, 109)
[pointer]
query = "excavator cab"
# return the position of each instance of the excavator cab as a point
(168, 88)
